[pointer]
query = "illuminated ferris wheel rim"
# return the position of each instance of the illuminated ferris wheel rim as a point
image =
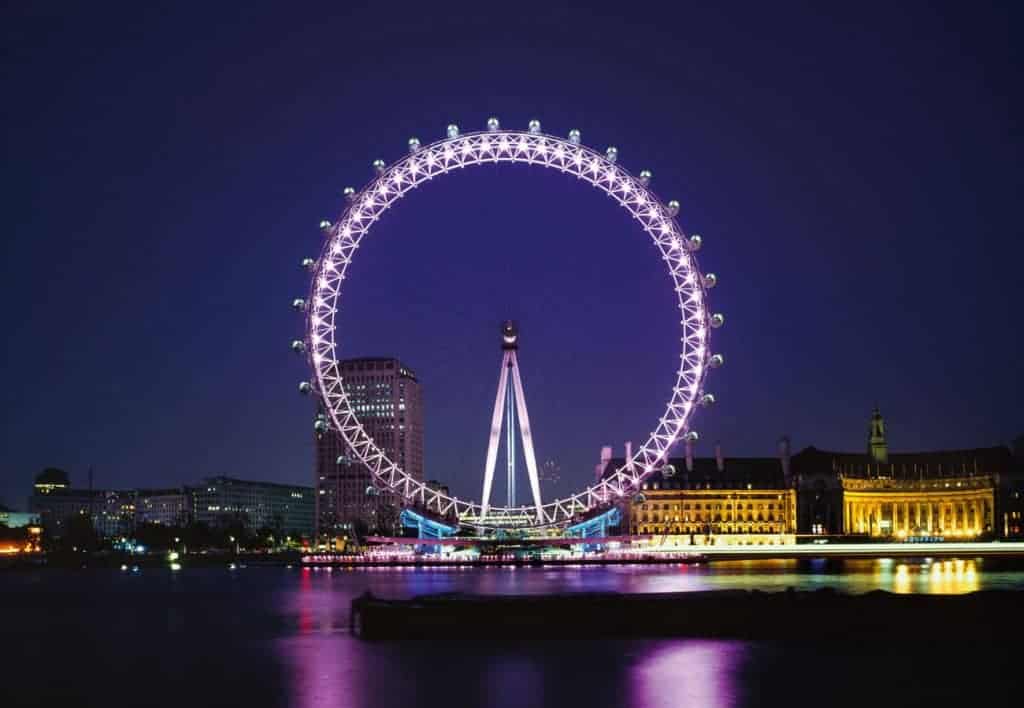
(496, 145)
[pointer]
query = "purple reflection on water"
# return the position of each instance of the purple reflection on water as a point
(698, 673)
(323, 671)
(324, 665)
(513, 681)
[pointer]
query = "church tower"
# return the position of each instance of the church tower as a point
(877, 447)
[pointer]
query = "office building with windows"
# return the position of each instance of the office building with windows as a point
(388, 400)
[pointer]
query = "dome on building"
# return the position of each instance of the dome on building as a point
(52, 476)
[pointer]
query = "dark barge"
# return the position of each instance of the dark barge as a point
(820, 614)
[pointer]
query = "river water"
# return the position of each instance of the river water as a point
(279, 637)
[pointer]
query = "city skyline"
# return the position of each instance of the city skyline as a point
(157, 348)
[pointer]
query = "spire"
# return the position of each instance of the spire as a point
(877, 446)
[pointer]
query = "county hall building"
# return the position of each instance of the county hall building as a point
(950, 494)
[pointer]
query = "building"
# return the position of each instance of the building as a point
(51, 480)
(165, 507)
(19, 532)
(17, 519)
(713, 500)
(949, 493)
(285, 508)
(1010, 509)
(56, 502)
(113, 513)
(388, 400)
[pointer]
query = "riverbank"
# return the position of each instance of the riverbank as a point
(723, 614)
(34, 561)
(614, 557)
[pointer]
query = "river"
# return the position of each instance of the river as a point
(279, 637)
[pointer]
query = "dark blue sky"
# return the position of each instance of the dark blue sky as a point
(854, 172)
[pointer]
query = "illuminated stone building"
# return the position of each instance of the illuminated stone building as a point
(388, 400)
(713, 500)
(951, 493)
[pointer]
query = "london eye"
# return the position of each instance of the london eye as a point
(491, 146)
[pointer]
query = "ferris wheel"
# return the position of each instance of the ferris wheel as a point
(533, 147)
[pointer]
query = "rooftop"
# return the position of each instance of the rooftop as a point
(738, 473)
(909, 465)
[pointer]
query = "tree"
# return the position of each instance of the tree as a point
(81, 534)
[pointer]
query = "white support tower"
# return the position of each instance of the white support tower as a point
(510, 401)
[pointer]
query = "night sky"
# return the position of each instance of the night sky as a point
(854, 173)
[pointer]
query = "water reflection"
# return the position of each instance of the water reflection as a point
(689, 673)
(276, 636)
(338, 671)
(328, 667)
(508, 680)
(922, 575)
(944, 577)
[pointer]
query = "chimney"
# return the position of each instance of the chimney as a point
(689, 455)
(719, 460)
(606, 457)
(784, 457)
(629, 453)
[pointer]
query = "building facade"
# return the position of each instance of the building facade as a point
(113, 513)
(165, 507)
(285, 508)
(55, 501)
(388, 400)
(713, 500)
(17, 519)
(950, 493)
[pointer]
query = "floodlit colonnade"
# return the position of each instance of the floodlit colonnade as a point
(967, 513)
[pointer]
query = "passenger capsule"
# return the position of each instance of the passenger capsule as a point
(707, 399)
(324, 225)
(574, 136)
(371, 491)
(414, 144)
(716, 361)
(378, 166)
(710, 280)
(692, 436)
(453, 130)
(673, 207)
(717, 320)
(298, 346)
(493, 124)
(612, 154)
(299, 304)
(695, 242)
(668, 471)
(308, 263)
(349, 192)
(305, 387)
(321, 426)
(645, 177)
(534, 126)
